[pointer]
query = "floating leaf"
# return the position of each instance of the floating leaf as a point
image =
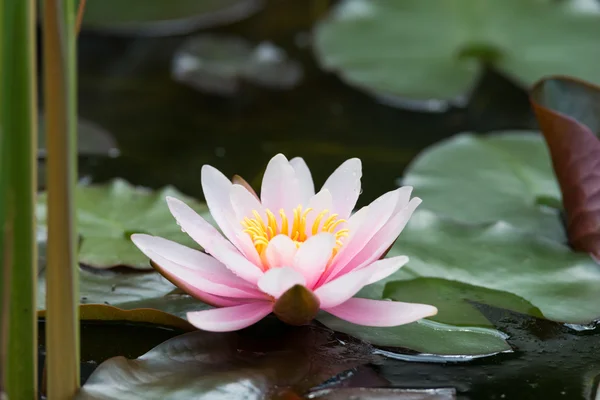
(102, 312)
(499, 177)
(128, 295)
(568, 112)
(562, 285)
(113, 287)
(427, 337)
(384, 394)
(428, 50)
(107, 215)
(219, 65)
(210, 365)
(453, 300)
(160, 18)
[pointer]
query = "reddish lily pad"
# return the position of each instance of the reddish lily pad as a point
(568, 112)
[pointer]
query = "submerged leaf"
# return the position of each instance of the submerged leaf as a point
(92, 139)
(108, 214)
(568, 112)
(220, 64)
(498, 177)
(230, 366)
(160, 18)
(384, 394)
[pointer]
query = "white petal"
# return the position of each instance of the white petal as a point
(279, 188)
(280, 251)
(344, 186)
(277, 281)
(244, 203)
(319, 202)
(305, 181)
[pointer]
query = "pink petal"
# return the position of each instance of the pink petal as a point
(305, 181)
(386, 267)
(279, 188)
(230, 318)
(377, 214)
(178, 274)
(212, 241)
(277, 281)
(216, 189)
(280, 252)
(312, 257)
(341, 289)
(381, 313)
(208, 267)
(344, 186)
(383, 239)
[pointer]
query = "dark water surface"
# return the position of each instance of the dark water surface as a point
(167, 131)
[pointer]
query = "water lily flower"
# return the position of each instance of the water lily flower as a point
(290, 252)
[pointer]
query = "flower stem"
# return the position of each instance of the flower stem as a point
(62, 325)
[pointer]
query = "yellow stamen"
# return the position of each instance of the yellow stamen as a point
(262, 230)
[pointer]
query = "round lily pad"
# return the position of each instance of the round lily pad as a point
(487, 178)
(434, 50)
(219, 64)
(160, 18)
(108, 214)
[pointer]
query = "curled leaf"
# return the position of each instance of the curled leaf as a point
(568, 111)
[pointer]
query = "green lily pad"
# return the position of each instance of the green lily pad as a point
(427, 337)
(453, 300)
(114, 288)
(425, 50)
(159, 17)
(562, 285)
(107, 215)
(229, 366)
(499, 177)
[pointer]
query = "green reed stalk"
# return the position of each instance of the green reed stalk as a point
(62, 319)
(18, 161)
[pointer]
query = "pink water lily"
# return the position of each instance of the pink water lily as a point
(290, 252)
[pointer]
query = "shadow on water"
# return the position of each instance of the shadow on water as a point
(166, 131)
(550, 361)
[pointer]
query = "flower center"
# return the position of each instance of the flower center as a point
(261, 231)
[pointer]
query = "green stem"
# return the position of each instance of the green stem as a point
(62, 325)
(18, 148)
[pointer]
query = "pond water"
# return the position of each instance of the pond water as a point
(166, 131)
